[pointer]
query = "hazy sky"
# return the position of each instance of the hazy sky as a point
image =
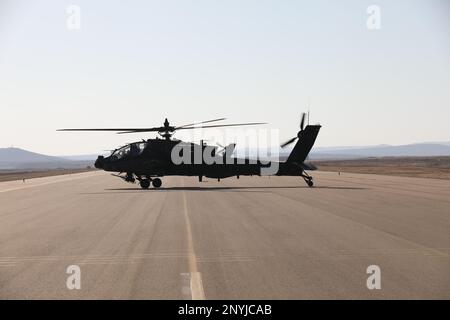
(133, 63)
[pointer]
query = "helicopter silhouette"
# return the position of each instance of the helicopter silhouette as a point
(147, 161)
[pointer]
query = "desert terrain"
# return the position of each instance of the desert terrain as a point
(420, 167)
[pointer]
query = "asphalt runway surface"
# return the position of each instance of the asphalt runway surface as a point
(252, 238)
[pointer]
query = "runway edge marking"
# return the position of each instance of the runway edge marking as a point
(70, 178)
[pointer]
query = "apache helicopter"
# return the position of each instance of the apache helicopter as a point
(148, 160)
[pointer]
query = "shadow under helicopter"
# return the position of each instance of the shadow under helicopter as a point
(224, 189)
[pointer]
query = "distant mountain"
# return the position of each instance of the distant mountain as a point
(410, 150)
(325, 149)
(343, 153)
(20, 155)
(18, 159)
(445, 143)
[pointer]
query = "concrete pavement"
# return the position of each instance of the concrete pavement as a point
(252, 238)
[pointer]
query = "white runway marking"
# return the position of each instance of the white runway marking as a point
(196, 285)
(192, 286)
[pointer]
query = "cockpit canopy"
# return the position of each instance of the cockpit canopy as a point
(132, 150)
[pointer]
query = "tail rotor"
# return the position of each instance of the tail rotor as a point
(302, 127)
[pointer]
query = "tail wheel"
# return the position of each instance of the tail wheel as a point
(308, 179)
(145, 183)
(156, 182)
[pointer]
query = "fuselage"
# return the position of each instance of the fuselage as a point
(155, 158)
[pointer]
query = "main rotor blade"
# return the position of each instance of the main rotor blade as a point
(288, 142)
(163, 129)
(137, 131)
(159, 129)
(114, 129)
(226, 125)
(197, 123)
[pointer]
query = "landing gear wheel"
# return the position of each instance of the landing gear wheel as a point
(157, 182)
(145, 183)
(310, 183)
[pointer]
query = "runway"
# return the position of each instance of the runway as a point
(252, 238)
